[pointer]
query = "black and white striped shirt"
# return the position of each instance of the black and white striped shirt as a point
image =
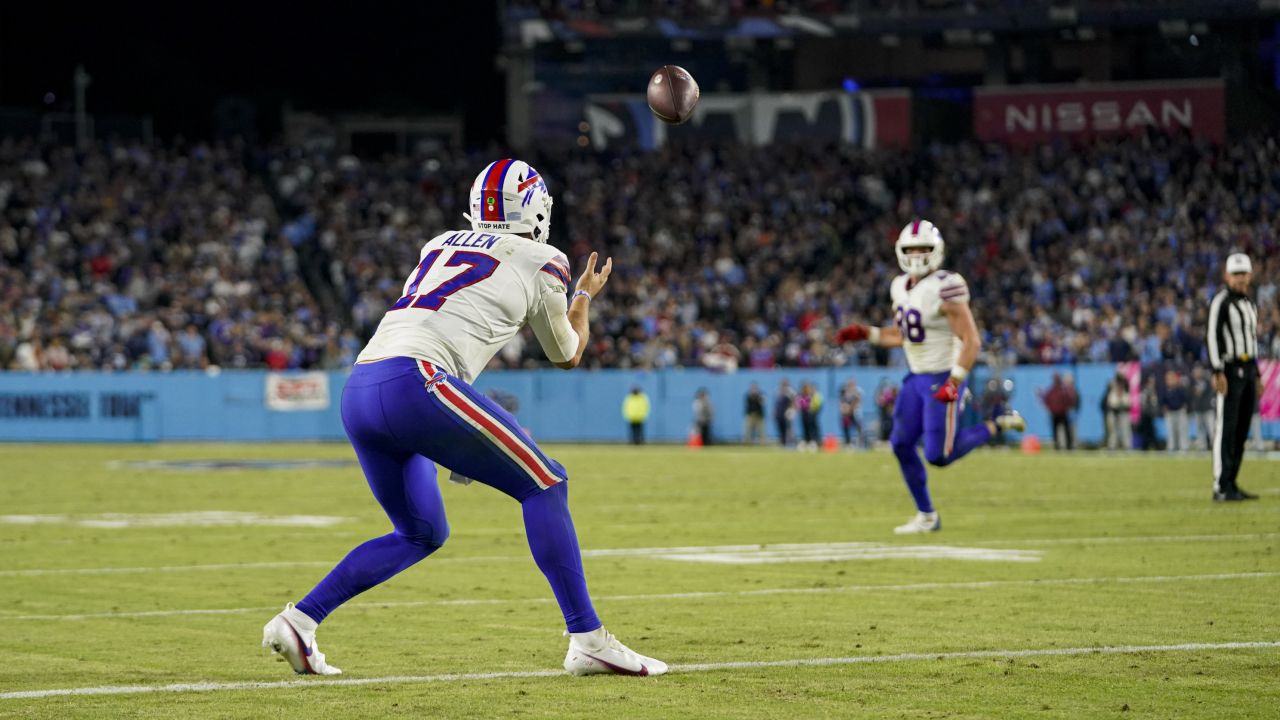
(1233, 329)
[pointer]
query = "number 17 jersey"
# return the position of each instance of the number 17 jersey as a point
(927, 339)
(469, 295)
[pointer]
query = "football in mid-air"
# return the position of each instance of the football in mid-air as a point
(672, 94)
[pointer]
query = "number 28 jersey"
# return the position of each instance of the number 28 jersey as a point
(927, 338)
(471, 293)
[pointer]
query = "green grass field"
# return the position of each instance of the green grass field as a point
(1110, 587)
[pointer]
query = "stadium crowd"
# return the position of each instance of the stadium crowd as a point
(717, 11)
(150, 257)
(186, 256)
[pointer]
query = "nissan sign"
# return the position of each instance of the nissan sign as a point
(1037, 114)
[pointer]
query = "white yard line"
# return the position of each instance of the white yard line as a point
(35, 572)
(693, 668)
(820, 552)
(623, 552)
(1123, 540)
(696, 595)
(201, 519)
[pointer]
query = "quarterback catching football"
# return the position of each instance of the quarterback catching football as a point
(933, 324)
(409, 404)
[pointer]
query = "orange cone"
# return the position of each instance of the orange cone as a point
(830, 444)
(1030, 445)
(695, 439)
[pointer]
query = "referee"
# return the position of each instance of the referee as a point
(1233, 350)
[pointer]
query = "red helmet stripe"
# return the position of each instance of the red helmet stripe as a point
(915, 228)
(491, 206)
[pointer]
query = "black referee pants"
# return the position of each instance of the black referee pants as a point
(1235, 413)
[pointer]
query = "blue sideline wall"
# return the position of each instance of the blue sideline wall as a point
(156, 406)
(554, 405)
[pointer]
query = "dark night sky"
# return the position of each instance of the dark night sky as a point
(176, 60)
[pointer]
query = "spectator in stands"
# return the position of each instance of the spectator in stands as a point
(192, 346)
(302, 244)
(29, 355)
(722, 355)
(277, 358)
(753, 422)
(56, 356)
(635, 410)
(703, 416)
(1174, 401)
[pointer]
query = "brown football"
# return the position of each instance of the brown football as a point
(672, 94)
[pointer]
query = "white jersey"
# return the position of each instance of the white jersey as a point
(927, 338)
(469, 295)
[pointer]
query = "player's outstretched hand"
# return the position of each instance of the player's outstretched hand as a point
(949, 391)
(852, 333)
(592, 281)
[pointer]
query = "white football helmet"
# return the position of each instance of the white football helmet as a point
(509, 196)
(920, 233)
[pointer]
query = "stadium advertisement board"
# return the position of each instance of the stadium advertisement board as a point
(1032, 114)
(1269, 402)
(294, 392)
(553, 405)
(869, 119)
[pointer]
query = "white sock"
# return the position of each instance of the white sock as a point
(593, 640)
(301, 621)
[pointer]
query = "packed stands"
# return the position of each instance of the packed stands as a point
(187, 256)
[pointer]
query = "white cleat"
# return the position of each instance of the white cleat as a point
(599, 652)
(921, 523)
(1012, 421)
(297, 646)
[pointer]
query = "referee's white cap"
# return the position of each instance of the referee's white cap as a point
(1239, 263)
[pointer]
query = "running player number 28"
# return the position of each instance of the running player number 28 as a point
(910, 323)
(479, 266)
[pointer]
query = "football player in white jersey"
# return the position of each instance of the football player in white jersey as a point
(933, 324)
(409, 404)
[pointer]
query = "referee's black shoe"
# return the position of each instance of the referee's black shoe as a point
(1233, 496)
